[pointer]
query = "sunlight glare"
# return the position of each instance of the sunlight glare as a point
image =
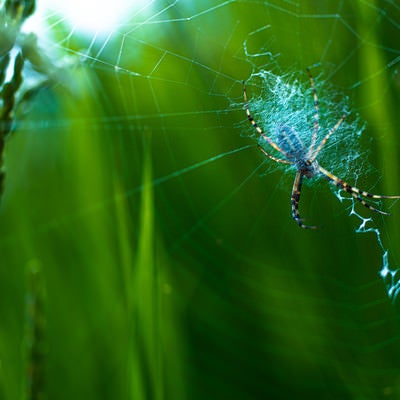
(96, 16)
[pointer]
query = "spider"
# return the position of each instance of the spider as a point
(294, 152)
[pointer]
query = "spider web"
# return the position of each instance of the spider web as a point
(153, 106)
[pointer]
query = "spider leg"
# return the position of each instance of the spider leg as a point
(256, 127)
(325, 139)
(316, 113)
(296, 192)
(278, 160)
(355, 192)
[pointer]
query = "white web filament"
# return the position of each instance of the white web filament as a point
(389, 276)
(287, 101)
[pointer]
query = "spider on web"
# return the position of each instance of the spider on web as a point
(294, 152)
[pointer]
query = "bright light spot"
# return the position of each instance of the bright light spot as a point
(92, 15)
(95, 16)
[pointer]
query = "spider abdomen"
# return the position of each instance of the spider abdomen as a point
(291, 144)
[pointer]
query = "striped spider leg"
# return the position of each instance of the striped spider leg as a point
(294, 152)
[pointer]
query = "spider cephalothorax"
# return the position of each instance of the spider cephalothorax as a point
(304, 158)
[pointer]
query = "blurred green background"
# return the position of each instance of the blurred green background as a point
(155, 280)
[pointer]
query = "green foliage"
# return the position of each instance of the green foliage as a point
(130, 268)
